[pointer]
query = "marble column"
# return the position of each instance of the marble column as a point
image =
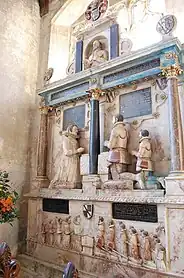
(102, 123)
(94, 142)
(42, 148)
(175, 121)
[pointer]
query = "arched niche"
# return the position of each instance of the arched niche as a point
(88, 51)
(62, 42)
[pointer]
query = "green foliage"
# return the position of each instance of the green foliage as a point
(8, 199)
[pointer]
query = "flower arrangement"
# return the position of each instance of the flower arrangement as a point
(8, 199)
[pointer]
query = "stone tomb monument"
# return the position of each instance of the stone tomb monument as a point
(109, 192)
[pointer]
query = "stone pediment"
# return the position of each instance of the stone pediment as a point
(139, 65)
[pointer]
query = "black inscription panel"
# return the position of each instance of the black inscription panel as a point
(56, 205)
(74, 115)
(136, 104)
(135, 212)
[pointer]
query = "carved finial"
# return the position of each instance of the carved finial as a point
(48, 75)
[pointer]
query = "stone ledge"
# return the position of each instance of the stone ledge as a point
(135, 196)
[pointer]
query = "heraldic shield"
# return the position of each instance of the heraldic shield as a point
(88, 211)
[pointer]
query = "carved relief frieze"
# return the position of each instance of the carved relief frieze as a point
(60, 232)
(137, 247)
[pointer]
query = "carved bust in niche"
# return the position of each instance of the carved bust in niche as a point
(98, 55)
(68, 172)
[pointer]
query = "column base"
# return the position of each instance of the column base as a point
(175, 183)
(176, 174)
(42, 182)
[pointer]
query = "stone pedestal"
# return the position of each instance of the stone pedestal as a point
(175, 185)
(103, 166)
(90, 184)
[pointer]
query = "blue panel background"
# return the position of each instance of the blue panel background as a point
(114, 41)
(78, 57)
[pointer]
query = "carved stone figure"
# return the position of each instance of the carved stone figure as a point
(46, 231)
(161, 259)
(118, 154)
(48, 75)
(68, 174)
(51, 232)
(97, 56)
(66, 232)
(124, 237)
(144, 154)
(43, 233)
(111, 242)
(144, 162)
(134, 245)
(147, 252)
(101, 233)
(58, 231)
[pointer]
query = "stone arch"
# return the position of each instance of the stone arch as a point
(62, 42)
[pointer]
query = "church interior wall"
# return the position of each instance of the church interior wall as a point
(19, 38)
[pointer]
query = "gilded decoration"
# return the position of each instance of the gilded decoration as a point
(172, 71)
(44, 109)
(95, 93)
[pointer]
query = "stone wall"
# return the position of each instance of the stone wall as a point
(19, 39)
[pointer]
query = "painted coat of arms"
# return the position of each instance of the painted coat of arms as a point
(88, 211)
(95, 9)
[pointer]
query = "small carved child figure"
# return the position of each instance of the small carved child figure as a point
(144, 163)
(161, 259)
(66, 232)
(134, 246)
(51, 232)
(101, 233)
(111, 241)
(124, 240)
(147, 252)
(43, 233)
(58, 231)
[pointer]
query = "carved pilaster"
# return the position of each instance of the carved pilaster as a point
(42, 146)
(175, 123)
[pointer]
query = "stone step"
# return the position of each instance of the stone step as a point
(32, 267)
(35, 268)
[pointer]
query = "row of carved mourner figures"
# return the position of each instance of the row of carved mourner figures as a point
(68, 172)
(135, 246)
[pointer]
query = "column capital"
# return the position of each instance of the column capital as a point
(172, 71)
(95, 93)
(44, 109)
